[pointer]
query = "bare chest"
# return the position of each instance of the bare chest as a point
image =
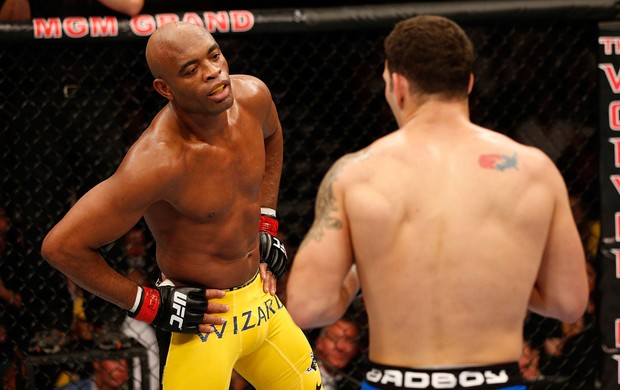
(218, 178)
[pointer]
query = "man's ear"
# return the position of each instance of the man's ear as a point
(401, 89)
(471, 83)
(162, 88)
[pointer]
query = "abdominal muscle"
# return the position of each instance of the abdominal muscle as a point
(204, 271)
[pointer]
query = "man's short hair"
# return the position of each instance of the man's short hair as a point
(433, 53)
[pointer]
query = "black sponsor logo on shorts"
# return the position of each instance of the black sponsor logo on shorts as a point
(435, 380)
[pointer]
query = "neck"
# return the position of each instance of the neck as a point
(433, 110)
(199, 125)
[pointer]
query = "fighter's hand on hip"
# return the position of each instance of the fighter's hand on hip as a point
(269, 280)
(179, 309)
(273, 253)
(209, 319)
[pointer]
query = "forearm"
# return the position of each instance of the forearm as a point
(89, 270)
(312, 307)
(273, 170)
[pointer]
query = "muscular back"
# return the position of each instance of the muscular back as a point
(448, 228)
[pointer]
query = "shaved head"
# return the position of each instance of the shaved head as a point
(168, 40)
(188, 68)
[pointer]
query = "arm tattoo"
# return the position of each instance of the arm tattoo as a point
(325, 200)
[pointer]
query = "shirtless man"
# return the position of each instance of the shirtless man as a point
(452, 231)
(200, 175)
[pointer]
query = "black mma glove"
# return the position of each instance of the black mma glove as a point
(171, 308)
(272, 251)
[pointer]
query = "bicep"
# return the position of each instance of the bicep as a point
(108, 210)
(328, 243)
(325, 254)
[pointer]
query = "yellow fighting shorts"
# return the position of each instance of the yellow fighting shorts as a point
(259, 340)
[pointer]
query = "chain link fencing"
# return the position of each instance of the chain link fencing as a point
(71, 109)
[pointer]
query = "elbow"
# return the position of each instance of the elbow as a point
(575, 307)
(305, 314)
(51, 250)
(567, 307)
(300, 315)
(302, 320)
(308, 314)
(573, 313)
(570, 317)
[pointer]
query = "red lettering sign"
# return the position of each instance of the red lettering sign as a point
(616, 254)
(616, 142)
(611, 45)
(614, 115)
(166, 18)
(217, 21)
(241, 20)
(613, 78)
(47, 28)
(106, 26)
(75, 26)
(142, 25)
(615, 179)
(193, 18)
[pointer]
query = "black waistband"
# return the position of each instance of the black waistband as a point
(244, 284)
(477, 377)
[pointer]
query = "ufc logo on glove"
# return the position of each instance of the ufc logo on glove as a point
(171, 308)
(179, 302)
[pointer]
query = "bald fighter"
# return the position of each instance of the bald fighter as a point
(453, 231)
(205, 176)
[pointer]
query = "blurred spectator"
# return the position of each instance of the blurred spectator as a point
(589, 227)
(334, 348)
(11, 303)
(12, 298)
(79, 338)
(127, 7)
(20, 10)
(134, 247)
(14, 10)
(107, 375)
(529, 363)
(237, 382)
(81, 328)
